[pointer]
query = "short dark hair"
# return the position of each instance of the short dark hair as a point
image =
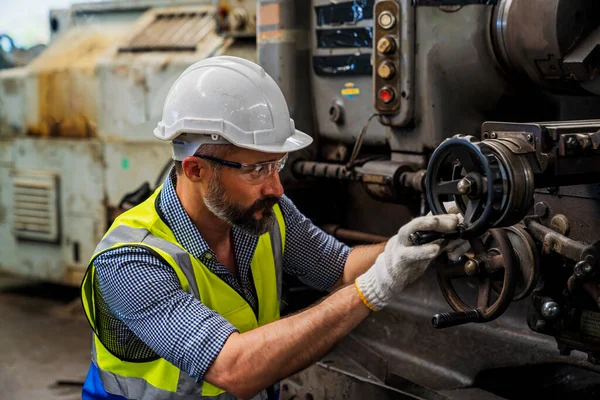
(213, 150)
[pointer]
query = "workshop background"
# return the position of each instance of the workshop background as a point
(44, 337)
(412, 103)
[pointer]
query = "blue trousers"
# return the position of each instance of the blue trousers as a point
(93, 388)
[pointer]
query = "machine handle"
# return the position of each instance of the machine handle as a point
(446, 320)
(423, 237)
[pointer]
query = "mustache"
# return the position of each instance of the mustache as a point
(263, 204)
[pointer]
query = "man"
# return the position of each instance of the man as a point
(183, 292)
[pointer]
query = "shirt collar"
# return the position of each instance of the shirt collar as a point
(180, 222)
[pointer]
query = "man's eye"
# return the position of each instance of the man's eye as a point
(258, 171)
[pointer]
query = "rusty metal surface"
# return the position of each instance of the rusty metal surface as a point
(554, 242)
(584, 199)
(85, 112)
(63, 85)
(178, 30)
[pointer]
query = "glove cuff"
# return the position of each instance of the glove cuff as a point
(366, 286)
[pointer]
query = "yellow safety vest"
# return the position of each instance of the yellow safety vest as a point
(143, 227)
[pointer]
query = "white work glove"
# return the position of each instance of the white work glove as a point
(451, 208)
(402, 262)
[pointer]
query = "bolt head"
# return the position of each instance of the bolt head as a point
(560, 223)
(583, 269)
(571, 142)
(493, 135)
(463, 186)
(471, 268)
(541, 209)
(550, 310)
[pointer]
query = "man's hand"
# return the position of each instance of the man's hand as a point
(402, 263)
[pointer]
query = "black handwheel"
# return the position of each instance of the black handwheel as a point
(468, 172)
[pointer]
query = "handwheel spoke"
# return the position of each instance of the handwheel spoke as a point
(494, 264)
(465, 159)
(455, 271)
(448, 187)
(472, 206)
(477, 246)
(483, 297)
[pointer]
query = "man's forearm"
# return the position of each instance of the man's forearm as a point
(359, 260)
(254, 360)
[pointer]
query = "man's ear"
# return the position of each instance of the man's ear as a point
(195, 169)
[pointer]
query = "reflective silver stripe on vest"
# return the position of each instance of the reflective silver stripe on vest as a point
(126, 234)
(142, 390)
(277, 245)
(138, 388)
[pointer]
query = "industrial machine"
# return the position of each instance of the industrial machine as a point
(76, 142)
(491, 104)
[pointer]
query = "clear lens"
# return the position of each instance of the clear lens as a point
(257, 173)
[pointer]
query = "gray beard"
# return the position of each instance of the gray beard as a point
(217, 201)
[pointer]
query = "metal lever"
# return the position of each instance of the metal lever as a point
(446, 320)
(423, 237)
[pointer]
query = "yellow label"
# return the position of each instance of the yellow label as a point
(350, 92)
(270, 36)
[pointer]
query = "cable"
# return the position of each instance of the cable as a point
(358, 144)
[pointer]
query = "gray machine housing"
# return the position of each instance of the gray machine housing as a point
(460, 64)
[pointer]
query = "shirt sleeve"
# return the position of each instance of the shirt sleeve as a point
(147, 297)
(315, 257)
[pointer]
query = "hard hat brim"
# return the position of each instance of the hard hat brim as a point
(298, 141)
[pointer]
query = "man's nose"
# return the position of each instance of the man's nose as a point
(272, 186)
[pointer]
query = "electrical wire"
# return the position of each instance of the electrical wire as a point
(358, 144)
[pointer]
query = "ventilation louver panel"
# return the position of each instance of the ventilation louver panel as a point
(174, 31)
(35, 206)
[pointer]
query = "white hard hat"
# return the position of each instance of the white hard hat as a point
(227, 100)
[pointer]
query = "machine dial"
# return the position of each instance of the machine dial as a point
(386, 20)
(386, 70)
(386, 45)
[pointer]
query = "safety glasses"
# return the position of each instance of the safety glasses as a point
(251, 173)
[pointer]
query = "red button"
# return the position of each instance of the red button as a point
(386, 95)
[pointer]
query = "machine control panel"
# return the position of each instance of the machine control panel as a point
(393, 61)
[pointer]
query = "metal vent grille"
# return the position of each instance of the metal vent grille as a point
(35, 206)
(175, 31)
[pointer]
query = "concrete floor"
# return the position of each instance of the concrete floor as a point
(45, 341)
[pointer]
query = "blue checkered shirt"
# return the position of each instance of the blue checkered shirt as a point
(147, 296)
